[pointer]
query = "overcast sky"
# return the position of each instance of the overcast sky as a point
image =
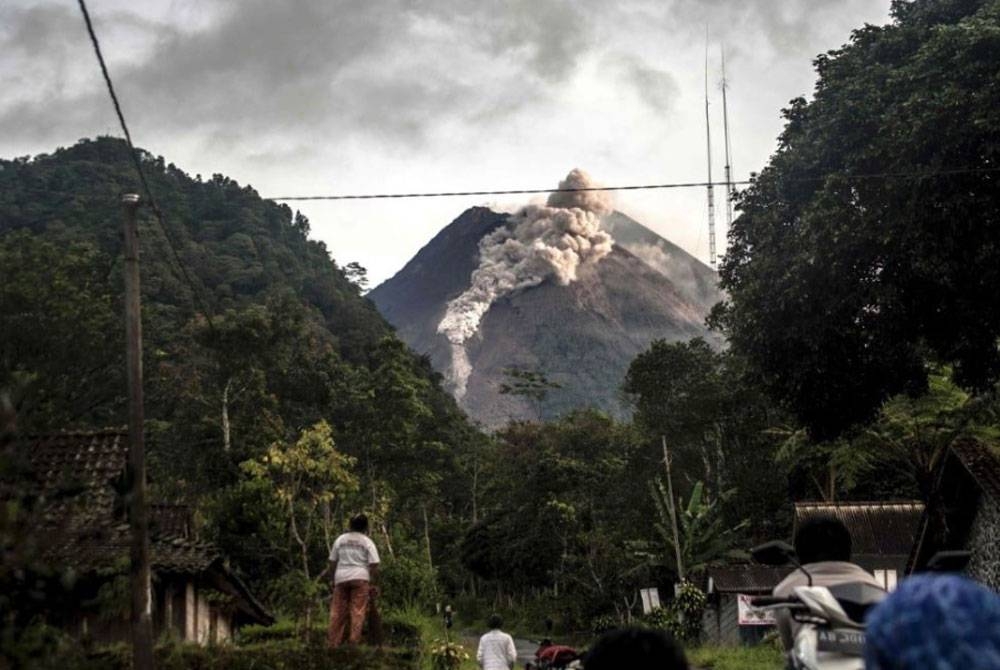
(358, 96)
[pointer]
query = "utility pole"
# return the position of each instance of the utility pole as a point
(673, 510)
(135, 473)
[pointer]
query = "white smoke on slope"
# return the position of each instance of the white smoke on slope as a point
(537, 243)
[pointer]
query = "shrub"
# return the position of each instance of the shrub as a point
(447, 655)
(689, 606)
(683, 617)
(407, 584)
(604, 623)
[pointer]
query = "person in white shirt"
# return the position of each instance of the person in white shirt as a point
(354, 564)
(496, 648)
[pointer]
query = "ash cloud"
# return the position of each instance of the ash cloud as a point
(539, 243)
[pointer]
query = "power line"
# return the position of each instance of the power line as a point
(639, 187)
(518, 191)
(137, 162)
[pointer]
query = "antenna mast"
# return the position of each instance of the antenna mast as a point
(711, 190)
(725, 127)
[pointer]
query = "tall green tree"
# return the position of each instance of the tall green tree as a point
(708, 407)
(870, 241)
(61, 341)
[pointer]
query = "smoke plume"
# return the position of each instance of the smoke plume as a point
(537, 243)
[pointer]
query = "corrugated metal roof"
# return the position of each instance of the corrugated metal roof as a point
(878, 529)
(748, 578)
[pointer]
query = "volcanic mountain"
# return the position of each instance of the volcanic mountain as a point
(581, 335)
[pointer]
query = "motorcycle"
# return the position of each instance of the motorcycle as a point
(830, 632)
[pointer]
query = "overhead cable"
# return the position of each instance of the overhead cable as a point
(137, 162)
(640, 187)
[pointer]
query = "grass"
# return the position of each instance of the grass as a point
(761, 657)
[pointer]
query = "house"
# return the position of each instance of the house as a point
(728, 620)
(964, 510)
(883, 535)
(80, 477)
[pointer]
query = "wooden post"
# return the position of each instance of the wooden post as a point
(139, 572)
(673, 510)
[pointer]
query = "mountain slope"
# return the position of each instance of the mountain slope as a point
(582, 335)
(697, 281)
(290, 340)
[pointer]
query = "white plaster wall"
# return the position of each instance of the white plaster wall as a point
(204, 623)
(190, 613)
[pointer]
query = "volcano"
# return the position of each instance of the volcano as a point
(581, 335)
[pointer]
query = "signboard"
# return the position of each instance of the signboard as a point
(752, 616)
(650, 600)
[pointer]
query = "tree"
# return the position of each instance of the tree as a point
(57, 318)
(708, 406)
(308, 478)
(705, 537)
(528, 383)
(870, 241)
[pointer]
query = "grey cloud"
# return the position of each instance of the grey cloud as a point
(658, 89)
(306, 67)
(789, 27)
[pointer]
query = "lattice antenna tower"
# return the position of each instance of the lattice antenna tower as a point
(711, 189)
(725, 128)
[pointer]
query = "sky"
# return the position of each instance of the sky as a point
(360, 96)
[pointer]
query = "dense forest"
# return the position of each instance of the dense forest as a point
(255, 340)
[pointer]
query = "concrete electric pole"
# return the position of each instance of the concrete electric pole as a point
(138, 511)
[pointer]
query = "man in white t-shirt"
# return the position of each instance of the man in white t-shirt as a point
(496, 648)
(354, 565)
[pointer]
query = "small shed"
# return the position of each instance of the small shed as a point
(196, 598)
(964, 510)
(727, 585)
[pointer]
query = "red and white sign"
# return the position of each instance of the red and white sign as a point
(752, 616)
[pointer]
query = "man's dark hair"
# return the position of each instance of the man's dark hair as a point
(636, 649)
(822, 538)
(359, 523)
(495, 621)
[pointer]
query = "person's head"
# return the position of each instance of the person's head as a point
(822, 538)
(636, 649)
(495, 621)
(945, 622)
(359, 523)
(545, 643)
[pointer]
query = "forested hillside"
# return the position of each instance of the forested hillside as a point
(269, 338)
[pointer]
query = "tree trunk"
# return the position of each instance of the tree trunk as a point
(427, 538)
(673, 510)
(226, 442)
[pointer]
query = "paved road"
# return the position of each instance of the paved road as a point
(525, 650)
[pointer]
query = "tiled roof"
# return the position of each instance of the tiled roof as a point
(747, 578)
(76, 473)
(878, 529)
(105, 547)
(982, 464)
